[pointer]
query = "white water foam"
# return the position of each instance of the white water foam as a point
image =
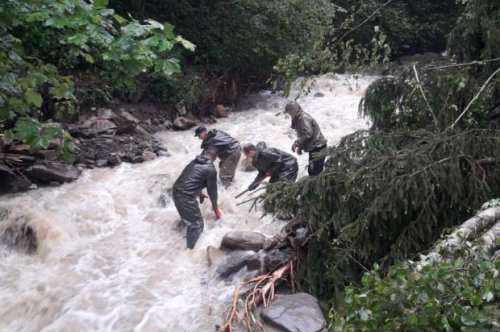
(110, 257)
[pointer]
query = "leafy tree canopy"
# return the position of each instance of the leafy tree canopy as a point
(39, 38)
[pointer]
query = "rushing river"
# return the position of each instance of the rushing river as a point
(110, 257)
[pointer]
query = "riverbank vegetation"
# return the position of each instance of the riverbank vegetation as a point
(429, 161)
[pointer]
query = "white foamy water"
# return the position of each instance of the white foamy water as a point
(110, 257)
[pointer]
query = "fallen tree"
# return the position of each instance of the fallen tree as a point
(385, 197)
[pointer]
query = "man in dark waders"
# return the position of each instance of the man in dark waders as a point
(228, 151)
(197, 175)
(309, 137)
(277, 164)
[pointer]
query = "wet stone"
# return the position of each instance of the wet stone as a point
(277, 258)
(233, 262)
(46, 171)
(243, 240)
(295, 313)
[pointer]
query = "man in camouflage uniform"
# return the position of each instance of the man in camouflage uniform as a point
(228, 151)
(309, 137)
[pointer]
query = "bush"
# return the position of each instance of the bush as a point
(434, 294)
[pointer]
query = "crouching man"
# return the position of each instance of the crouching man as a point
(277, 164)
(197, 175)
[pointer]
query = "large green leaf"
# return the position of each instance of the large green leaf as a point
(33, 97)
(168, 66)
(101, 3)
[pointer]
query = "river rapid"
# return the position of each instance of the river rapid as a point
(110, 256)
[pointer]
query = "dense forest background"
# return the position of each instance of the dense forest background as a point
(430, 160)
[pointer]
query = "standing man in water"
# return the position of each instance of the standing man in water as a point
(197, 175)
(228, 151)
(277, 164)
(309, 137)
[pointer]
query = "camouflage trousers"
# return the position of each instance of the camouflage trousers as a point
(227, 166)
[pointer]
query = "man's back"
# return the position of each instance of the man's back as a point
(267, 158)
(224, 143)
(198, 174)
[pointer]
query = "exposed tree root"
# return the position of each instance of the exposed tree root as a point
(262, 292)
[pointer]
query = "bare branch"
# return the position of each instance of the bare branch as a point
(475, 98)
(366, 20)
(464, 64)
(423, 95)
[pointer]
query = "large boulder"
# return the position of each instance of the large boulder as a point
(243, 240)
(233, 262)
(47, 171)
(246, 165)
(295, 313)
(220, 112)
(10, 182)
(183, 123)
(125, 122)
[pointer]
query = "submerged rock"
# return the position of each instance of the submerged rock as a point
(20, 237)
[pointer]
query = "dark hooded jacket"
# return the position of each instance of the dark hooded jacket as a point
(274, 160)
(197, 175)
(309, 136)
(224, 143)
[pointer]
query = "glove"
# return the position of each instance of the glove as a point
(269, 173)
(252, 187)
(218, 213)
(299, 151)
(294, 146)
(202, 197)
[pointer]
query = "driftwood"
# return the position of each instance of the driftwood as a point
(262, 292)
(17, 158)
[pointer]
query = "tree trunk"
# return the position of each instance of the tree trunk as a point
(469, 229)
(489, 238)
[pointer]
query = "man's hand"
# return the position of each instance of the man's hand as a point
(269, 173)
(252, 187)
(299, 151)
(294, 147)
(202, 197)
(218, 213)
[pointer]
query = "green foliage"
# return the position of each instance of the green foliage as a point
(430, 295)
(247, 35)
(387, 196)
(39, 37)
(370, 32)
(476, 35)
